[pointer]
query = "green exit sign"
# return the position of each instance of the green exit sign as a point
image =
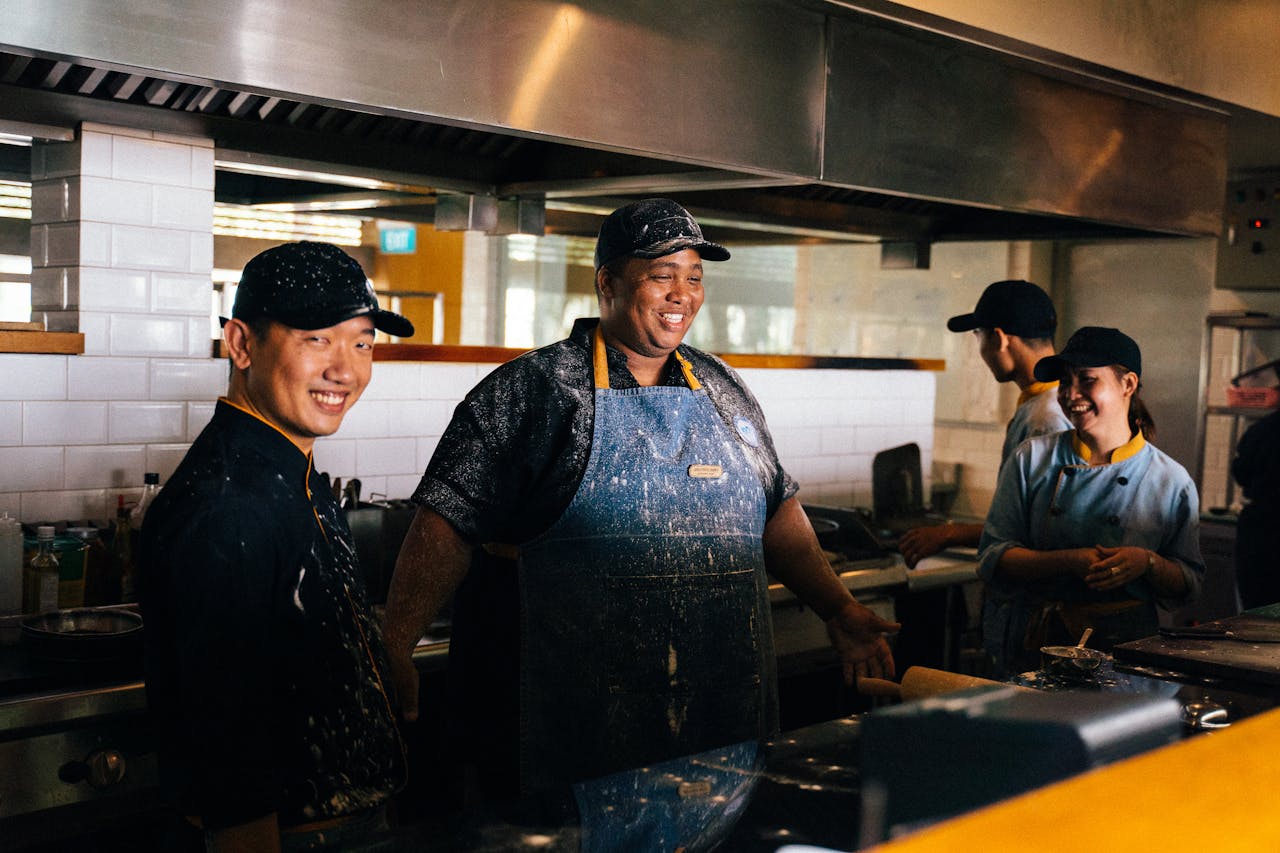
(398, 241)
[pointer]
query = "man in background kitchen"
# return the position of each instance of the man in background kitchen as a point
(265, 669)
(634, 482)
(1257, 469)
(1014, 322)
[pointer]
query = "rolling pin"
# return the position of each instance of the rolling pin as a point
(919, 682)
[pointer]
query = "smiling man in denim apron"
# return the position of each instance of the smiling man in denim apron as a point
(633, 481)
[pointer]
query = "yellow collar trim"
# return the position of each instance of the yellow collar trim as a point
(600, 363)
(1035, 389)
(306, 480)
(1125, 451)
(251, 413)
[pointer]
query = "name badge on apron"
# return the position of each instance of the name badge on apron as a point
(706, 472)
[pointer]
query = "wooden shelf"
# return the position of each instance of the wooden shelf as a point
(53, 343)
(498, 355)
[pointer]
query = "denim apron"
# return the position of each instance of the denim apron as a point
(645, 629)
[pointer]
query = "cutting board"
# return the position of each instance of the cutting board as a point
(1257, 663)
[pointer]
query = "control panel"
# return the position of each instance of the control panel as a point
(1249, 248)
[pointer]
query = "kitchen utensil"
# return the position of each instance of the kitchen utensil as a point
(1071, 661)
(1205, 714)
(352, 494)
(83, 635)
(919, 682)
(1084, 638)
(1245, 634)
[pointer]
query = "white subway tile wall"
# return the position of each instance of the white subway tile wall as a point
(122, 248)
(825, 423)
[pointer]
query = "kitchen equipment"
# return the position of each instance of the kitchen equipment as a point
(351, 494)
(1251, 662)
(945, 755)
(1260, 633)
(377, 529)
(828, 532)
(1071, 661)
(897, 492)
(75, 744)
(1204, 714)
(84, 635)
(920, 682)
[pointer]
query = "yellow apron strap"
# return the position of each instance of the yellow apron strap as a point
(694, 384)
(600, 364)
(599, 361)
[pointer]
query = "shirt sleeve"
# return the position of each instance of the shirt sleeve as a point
(1008, 519)
(1182, 541)
(222, 584)
(501, 471)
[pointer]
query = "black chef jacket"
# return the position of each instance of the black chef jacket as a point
(265, 668)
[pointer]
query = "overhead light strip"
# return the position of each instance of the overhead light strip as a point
(236, 221)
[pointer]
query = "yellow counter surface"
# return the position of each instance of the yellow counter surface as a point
(1215, 792)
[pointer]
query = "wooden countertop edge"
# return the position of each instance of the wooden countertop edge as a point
(1211, 792)
(498, 355)
(42, 343)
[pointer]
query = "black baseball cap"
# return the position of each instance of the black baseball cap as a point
(310, 285)
(1092, 346)
(1018, 307)
(652, 228)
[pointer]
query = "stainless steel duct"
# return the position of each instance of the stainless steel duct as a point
(812, 116)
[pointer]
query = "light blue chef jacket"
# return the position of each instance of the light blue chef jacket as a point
(1038, 413)
(1049, 498)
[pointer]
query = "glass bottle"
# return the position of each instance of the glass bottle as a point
(122, 550)
(10, 566)
(150, 488)
(40, 580)
(96, 575)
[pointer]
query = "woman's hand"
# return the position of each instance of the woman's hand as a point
(1118, 566)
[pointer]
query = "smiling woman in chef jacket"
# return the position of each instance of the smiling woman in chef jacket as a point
(1091, 527)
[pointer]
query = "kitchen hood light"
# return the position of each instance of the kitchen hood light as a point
(238, 221)
(15, 139)
(15, 200)
(727, 221)
(312, 206)
(270, 171)
(15, 265)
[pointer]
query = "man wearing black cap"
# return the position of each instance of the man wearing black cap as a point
(634, 482)
(1014, 322)
(266, 674)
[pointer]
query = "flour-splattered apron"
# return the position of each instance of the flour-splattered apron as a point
(645, 629)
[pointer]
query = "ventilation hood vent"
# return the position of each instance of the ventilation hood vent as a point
(871, 131)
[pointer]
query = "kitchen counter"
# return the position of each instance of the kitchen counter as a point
(803, 788)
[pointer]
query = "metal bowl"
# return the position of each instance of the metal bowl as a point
(1071, 660)
(84, 634)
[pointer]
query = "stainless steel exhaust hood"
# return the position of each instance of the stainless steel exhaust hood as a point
(818, 120)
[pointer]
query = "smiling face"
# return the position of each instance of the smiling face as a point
(1096, 399)
(647, 309)
(302, 381)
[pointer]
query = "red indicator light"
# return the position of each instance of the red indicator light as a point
(1258, 223)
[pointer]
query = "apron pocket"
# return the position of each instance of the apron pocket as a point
(682, 633)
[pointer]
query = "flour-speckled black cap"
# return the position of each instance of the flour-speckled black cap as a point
(653, 228)
(310, 285)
